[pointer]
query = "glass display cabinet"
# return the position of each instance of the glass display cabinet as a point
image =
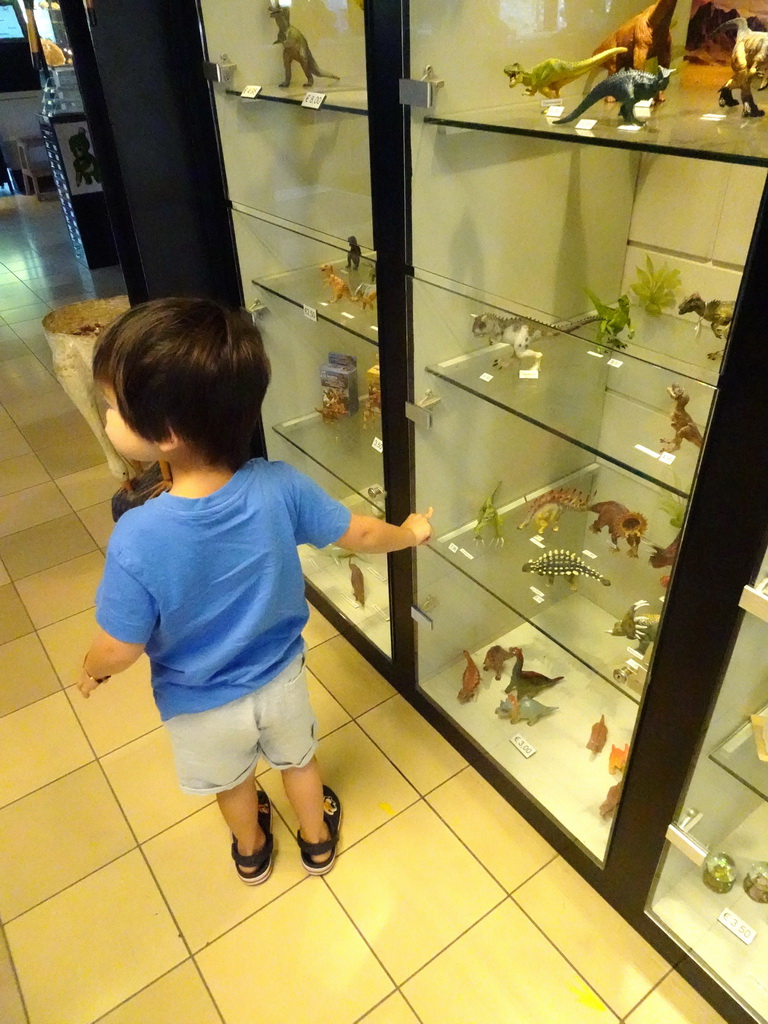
(712, 887)
(295, 150)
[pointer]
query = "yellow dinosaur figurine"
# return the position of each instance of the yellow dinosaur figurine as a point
(552, 74)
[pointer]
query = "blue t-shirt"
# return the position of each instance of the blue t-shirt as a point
(213, 586)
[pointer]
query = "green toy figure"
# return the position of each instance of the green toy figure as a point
(489, 516)
(611, 322)
(84, 162)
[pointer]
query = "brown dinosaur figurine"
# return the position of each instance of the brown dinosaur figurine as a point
(665, 556)
(333, 407)
(547, 508)
(598, 736)
(621, 523)
(609, 805)
(717, 312)
(295, 48)
(495, 658)
(469, 681)
(682, 424)
(524, 682)
(645, 36)
(338, 285)
(358, 583)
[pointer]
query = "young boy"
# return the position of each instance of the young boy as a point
(206, 578)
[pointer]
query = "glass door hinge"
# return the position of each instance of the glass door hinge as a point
(679, 837)
(419, 415)
(421, 617)
(223, 71)
(420, 92)
(256, 309)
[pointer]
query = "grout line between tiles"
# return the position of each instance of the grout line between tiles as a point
(647, 994)
(16, 979)
(165, 974)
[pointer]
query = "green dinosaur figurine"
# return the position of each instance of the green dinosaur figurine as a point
(655, 289)
(612, 321)
(552, 74)
(489, 516)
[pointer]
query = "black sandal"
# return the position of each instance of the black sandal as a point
(332, 817)
(262, 859)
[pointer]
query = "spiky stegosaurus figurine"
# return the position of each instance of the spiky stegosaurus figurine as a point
(548, 507)
(564, 563)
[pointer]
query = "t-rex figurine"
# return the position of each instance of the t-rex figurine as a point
(749, 60)
(295, 48)
(627, 87)
(642, 37)
(717, 313)
(682, 424)
(551, 75)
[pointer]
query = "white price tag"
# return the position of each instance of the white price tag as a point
(313, 100)
(644, 104)
(486, 376)
(667, 457)
(586, 124)
(349, 316)
(378, 445)
(597, 355)
(734, 924)
(538, 600)
(310, 313)
(589, 554)
(616, 362)
(555, 111)
(528, 375)
(250, 92)
(453, 548)
(536, 591)
(630, 127)
(467, 554)
(538, 541)
(523, 745)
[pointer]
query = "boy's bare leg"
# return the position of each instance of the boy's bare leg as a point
(304, 789)
(240, 808)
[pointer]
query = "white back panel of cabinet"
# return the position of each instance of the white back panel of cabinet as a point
(528, 219)
(737, 218)
(469, 42)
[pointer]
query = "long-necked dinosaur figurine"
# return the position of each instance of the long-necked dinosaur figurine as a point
(552, 74)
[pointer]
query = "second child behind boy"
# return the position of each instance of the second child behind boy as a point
(206, 578)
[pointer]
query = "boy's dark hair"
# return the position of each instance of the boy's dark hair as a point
(187, 366)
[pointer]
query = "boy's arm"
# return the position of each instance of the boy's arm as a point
(375, 536)
(106, 657)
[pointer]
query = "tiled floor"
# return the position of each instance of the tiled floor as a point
(117, 895)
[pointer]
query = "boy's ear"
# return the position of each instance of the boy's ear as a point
(170, 444)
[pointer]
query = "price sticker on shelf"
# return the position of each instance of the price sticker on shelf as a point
(310, 313)
(644, 104)
(538, 541)
(616, 362)
(539, 599)
(378, 445)
(667, 457)
(486, 377)
(453, 548)
(522, 744)
(630, 127)
(647, 451)
(586, 124)
(589, 554)
(467, 554)
(250, 92)
(313, 100)
(528, 374)
(739, 928)
(555, 111)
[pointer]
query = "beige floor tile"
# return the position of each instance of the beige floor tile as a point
(4, 577)
(5, 420)
(40, 743)
(56, 836)
(498, 836)
(42, 547)
(177, 998)
(21, 314)
(26, 674)
(12, 443)
(46, 420)
(66, 643)
(674, 1002)
(24, 378)
(63, 590)
(393, 1010)
(316, 631)
(146, 766)
(97, 519)
(25, 509)
(411, 888)
(72, 455)
(334, 977)
(330, 714)
(613, 958)
(11, 346)
(21, 473)
(355, 684)
(11, 1006)
(201, 844)
(89, 948)
(504, 971)
(120, 710)
(89, 486)
(14, 621)
(418, 750)
(370, 788)
(41, 350)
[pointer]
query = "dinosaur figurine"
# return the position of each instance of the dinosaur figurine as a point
(510, 330)
(642, 629)
(665, 556)
(509, 708)
(469, 681)
(295, 48)
(354, 254)
(358, 583)
(488, 516)
(627, 87)
(749, 60)
(611, 322)
(547, 508)
(717, 313)
(609, 805)
(682, 424)
(495, 658)
(598, 736)
(617, 762)
(563, 563)
(642, 37)
(338, 286)
(525, 682)
(365, 294)
(551, 75)
(621, 523)
(532, 710)
(333, 407)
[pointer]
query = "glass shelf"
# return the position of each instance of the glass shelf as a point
(738, 756)
(689, 123)
(575, 383)
(348, 101)
(346, 445)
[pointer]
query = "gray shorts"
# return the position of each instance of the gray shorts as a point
(217, 749)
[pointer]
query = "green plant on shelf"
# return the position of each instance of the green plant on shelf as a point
(655, 289)
(673, 506)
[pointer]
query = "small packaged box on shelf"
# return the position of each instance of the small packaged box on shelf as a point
(373, 376)
(340, 375)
